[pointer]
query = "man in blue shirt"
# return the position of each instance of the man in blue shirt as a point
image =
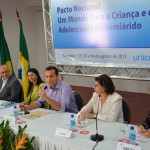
(56, 92)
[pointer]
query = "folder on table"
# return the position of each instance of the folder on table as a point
(35, 115)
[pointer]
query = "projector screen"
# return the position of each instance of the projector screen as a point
(109, 33)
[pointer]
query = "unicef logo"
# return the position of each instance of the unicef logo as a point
(141, 57)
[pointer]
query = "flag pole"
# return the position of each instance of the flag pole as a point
(18, 16)
(24, 64)
(0, 16)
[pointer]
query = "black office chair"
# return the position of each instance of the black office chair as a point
(126, 111)
(78, 99)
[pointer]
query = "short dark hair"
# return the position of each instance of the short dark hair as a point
(52, 68)
(105, 81)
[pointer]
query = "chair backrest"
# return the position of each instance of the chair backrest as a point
(78, 99)
(126, 111)
(21, 96)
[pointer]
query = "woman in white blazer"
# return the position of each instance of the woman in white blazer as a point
(105, 102)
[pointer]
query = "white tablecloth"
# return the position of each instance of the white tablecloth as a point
(44, 130)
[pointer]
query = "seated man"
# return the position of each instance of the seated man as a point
(144, 128)
(10, 87)
(56, 92)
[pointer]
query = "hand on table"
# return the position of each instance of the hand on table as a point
(143, 131)
(84, 114)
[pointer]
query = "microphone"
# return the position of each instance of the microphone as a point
(42, 103)
(97, 137)
(45, 87)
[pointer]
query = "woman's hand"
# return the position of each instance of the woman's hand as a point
(141, 129)
(87, 114)
(22, 104)
(80, 119)
(84, 114)
(146, 133)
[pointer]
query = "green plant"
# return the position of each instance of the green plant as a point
(11, 141)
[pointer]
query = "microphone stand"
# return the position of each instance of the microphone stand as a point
(97, 137)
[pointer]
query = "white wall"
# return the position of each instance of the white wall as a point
(33, 30)
(120, 84)
(34, 33)
(41, 45)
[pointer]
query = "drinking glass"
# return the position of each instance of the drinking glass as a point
(21, 113)
(124, 129)
(84, 122)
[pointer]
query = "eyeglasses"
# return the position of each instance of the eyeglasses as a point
(4, 72)
(96, 85)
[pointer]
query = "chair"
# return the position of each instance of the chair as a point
(78, 99)
(126, 111)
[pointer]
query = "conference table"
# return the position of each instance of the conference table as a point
(43, 128)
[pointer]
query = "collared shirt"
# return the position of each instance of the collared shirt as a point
(4, 82)
(62, 93)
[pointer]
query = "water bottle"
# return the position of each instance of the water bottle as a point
(72, 123)
(15, 111)
(132, 136)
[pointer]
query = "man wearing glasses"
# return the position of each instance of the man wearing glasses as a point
(10, 87)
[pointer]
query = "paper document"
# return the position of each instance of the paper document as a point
(35, 114)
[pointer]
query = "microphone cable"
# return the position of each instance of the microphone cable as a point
(96, 118)
(95, 145)
(96, 126)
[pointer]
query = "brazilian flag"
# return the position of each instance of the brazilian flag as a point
(24, 64)
(4, 51)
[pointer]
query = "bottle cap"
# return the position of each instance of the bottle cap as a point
(15, 106)
(72, 115)
(132, 127)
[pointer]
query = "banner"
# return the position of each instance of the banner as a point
(101, 32)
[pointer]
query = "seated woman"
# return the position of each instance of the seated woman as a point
(144, 128)
(35, 83)
(105, 102)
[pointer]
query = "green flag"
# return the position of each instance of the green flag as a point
(4, 51)
(24, 64)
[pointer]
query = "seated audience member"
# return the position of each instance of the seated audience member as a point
(144, 128)
(10, 87)
(56, 92)
(105, 101)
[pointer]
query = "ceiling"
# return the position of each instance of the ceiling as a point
(33, 3)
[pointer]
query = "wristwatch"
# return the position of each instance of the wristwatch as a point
(94, 116)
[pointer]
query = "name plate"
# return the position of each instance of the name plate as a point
(63, 133)
(126, 146)
(10, 118)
